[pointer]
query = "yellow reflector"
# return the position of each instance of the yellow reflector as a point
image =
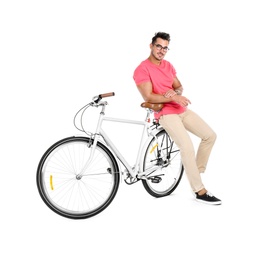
(51, 182)
(153, 148)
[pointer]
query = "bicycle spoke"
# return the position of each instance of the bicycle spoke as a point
(70, 194)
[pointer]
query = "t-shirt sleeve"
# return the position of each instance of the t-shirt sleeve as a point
(173, 71)
(141, 75)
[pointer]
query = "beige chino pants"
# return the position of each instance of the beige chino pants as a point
(177, 126)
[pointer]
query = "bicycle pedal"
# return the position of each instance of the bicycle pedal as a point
(156, 179)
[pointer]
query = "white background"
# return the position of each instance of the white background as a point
(57, 55)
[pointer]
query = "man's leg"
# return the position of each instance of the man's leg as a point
(197, 126)
(174, 127)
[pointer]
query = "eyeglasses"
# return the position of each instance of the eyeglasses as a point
(159, 47)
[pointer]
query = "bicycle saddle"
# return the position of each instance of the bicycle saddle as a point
(156, 107)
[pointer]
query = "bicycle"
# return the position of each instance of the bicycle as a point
(78, 177)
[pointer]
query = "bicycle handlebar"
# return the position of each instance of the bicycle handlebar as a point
(110, 94)
(96, 99)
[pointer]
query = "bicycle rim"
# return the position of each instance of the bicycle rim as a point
(164, 153)
(65, 193)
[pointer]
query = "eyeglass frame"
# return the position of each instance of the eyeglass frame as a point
(159, 47)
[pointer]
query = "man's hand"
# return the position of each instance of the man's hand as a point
(170, 93)
(183, 101)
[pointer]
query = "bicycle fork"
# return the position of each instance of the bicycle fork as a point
(93, 142)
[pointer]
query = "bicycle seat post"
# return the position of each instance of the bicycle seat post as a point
(148, 113)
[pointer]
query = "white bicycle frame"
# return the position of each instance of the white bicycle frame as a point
(133, 171)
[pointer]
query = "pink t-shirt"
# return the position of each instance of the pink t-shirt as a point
(161, 77)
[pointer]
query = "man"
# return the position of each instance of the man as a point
(157, 82)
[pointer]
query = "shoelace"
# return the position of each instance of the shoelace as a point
(209, 194)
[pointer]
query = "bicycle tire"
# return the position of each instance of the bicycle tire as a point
(66, 194)
(163, 152)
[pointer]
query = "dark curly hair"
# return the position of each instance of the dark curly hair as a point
(162, 35)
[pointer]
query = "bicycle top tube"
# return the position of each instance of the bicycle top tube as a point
(150, 107)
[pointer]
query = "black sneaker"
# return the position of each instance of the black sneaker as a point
(208, 198)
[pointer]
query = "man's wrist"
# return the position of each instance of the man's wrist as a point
(179, 90)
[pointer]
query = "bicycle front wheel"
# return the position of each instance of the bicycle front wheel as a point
(68, 192)
(163, 157)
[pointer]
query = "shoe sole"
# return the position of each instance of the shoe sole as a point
(209, 202)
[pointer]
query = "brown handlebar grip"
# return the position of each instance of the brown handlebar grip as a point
(110, 94)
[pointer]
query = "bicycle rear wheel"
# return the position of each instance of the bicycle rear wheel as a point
(66, 192)
(163, 153)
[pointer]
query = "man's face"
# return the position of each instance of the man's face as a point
(159, 49)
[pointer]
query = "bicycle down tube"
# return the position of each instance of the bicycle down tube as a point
(100, 132)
